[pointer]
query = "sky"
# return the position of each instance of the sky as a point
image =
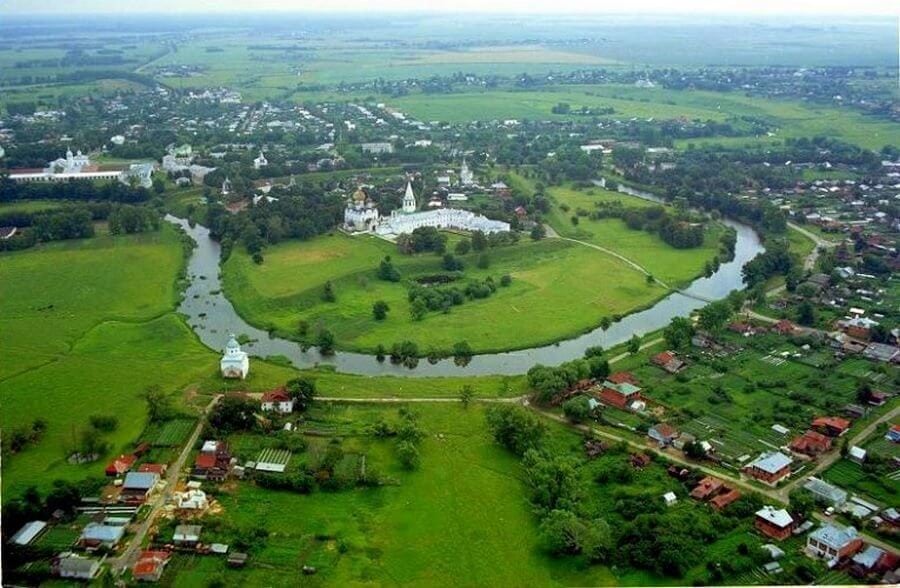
(700, 7)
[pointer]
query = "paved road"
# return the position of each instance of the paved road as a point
(130, 554)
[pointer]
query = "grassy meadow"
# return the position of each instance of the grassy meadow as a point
(675, 267)
(558, 290)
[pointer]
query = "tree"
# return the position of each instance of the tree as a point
(713, 316)
(325, 342)
(159, 404)
(417, 309)
(463, 247)
(515, 428)
(302, 390)
(634, 344)
(466, 394)
(806, 314)
(560, 532)
(679, 332)
(505, 280)
(380, 310)
(538, 232)
(408, 455)
(483, 261)
(802, 503)
(159, 186)
(577, 409)
(553, 480)
(328, 292)
(234, 412)
(479, 241)
(387, 271)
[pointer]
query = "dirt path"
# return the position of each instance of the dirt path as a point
(130, 554)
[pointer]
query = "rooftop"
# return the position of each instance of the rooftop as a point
(778, 517)
(771, 462)
(833, 535)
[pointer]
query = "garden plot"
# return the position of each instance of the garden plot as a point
(272, 460)
(173, 433)
(730, 442)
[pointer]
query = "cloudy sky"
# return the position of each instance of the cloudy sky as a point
(846, 7)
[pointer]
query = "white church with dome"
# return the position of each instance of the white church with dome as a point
(235, 363)
(362, 216)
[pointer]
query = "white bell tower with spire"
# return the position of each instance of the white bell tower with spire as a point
(409, 199)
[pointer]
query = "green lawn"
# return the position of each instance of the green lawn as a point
(675, 267)
(558, 290)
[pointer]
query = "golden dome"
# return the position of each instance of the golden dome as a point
(359, 195)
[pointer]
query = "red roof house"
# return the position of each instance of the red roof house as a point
(120, 465)
(668, 361)
(784, 327)
(831, 426)
(623, 378)
(153, 468)
(811, 443)
(707, 487)
(150, 565)
(722, 500)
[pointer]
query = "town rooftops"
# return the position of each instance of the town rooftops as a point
(772, 462)
(834, 536)
(74, 566)
(778, 517)
(205, 461)
(140, 480)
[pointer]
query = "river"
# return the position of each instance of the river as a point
(213, 318)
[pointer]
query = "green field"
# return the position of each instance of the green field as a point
(791, 119)
(558, 290)
(675, 267)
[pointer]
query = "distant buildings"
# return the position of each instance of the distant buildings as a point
(362, 216)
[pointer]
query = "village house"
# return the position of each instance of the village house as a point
(192, 499)
(137, 487)
(831, 426)
(811, 443)
(668, 361)
(150, 565)
(620, 390)
(187, 535)
(871, 560)
(774, 523)
(153, 468)
(769, 468)
(120, 465)
(101, 535)
(723, 499)
(663, 433)
(278, 401)
(893, 434)
(707, 488)
(213, 462)
(833, 542)
(76, 567)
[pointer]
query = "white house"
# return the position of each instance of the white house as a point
(235, 363)
(277, 401)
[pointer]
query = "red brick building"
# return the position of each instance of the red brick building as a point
(774, 523)
(811, 443)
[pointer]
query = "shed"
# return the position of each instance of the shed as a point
(187, 534)
(670, 498)
(28, 533)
